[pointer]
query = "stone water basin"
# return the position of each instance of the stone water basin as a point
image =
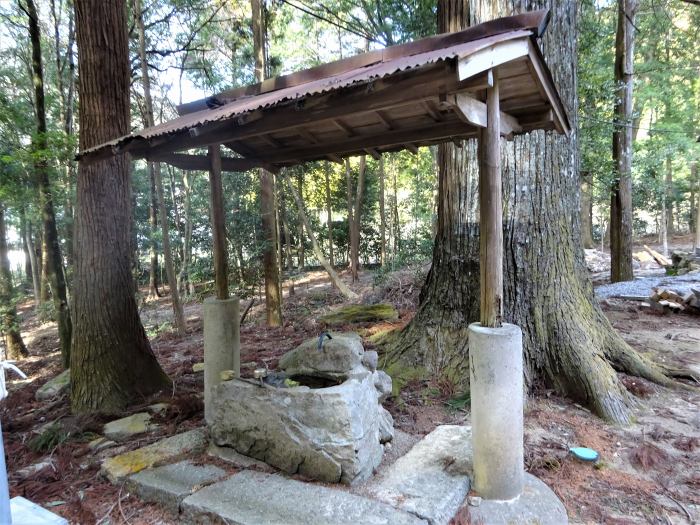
(332, 427)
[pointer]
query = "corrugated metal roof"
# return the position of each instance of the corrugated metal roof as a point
(390, 64)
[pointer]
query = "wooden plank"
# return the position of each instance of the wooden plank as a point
(561, 121)
(341, 125)
(475, 112)
(218, 222)
(203, 163)
(310, 137)
(491, 57)
(477, 83)
(411, 147)
(491, 214)
(662, 260)
(374, 153)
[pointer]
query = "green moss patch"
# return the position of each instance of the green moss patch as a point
(361, 313)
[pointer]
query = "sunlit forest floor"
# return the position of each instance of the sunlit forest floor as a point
(648, 473)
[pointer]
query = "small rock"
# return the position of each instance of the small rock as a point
(370, 359)
(53, 387)
(34, 468)
(474, 501)
(386, 425)
(100, 443)
(237, 459)
(158, 408)
(123, 429)
(198, 367)
(169, 449)
(383, 384)
(336, 359)
(227, 375)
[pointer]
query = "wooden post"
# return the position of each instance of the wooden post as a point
(218, 226)
(491, 212)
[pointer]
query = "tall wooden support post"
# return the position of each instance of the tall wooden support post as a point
(222, 346)
(495, 348)
(218, 225)
(491, 213)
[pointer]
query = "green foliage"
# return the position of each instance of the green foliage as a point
(49, 439)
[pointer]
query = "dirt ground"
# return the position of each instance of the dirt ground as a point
(648, 472)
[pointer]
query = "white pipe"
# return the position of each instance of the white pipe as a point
(5, 515)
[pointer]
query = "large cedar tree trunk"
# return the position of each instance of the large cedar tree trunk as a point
(9, 326)
(621, 195)
(568, 342)
(52, 259)
(112, 363)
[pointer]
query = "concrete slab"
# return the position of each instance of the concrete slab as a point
(170, 484)
(433, 479)
(537, 505)
(255, 498)
(166, 450)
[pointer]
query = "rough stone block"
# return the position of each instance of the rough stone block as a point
(53, 387)
(433, 479)
(158, 453)
(237, 459)
(170, 484)
(336, 359)
(254, 498)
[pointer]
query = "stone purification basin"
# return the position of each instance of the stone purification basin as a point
(331, 427)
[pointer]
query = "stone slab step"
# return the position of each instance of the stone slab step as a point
(164, 451)
(432, 480)
(127, 427)
(170, 484)
(256, 498)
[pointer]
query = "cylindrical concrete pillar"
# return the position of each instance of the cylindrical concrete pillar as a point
(222, 344)
(496, 386)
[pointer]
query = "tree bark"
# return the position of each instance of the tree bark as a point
(273, 293)
(154, 168)
(112, 363)
(29, 237)
(586, 210)
(568, 342)
(337, 282)
(668, 189)
(621, 195)
(695, 176)
(355, 213)
(50, 243)
(23, 225)
(300, 226)
(187, 240)
(14, 345)
(152, 249)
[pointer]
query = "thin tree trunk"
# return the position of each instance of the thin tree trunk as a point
(187, 238)
(668, 189)
(25, 247)
(154, 168)
(314, 245)
(329, 216)
(396, 220)
(382, 214)
(14, 345)
(695, 176)
(300, 226)
(50, 242)
(621, 195)
(112, 363)
(663, 225)
(29, 236)
(273, 295)
(153, 223)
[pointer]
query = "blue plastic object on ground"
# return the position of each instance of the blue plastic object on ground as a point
(584, 454)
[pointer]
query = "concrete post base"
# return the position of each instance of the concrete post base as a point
(222, 344)
(496, 386)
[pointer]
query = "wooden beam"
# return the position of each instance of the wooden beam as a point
(374, 153)
(439, 131)
(272, 141)
(218, 224)
(342, 126)
(310, 137)
(561, 122)
(203, 163)
(475, 112)
(492, 56)
(538, 120)
(388, 123)
(491, 214)
(411, 147)
(250, 155)
(335, 158)
(432, 109)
